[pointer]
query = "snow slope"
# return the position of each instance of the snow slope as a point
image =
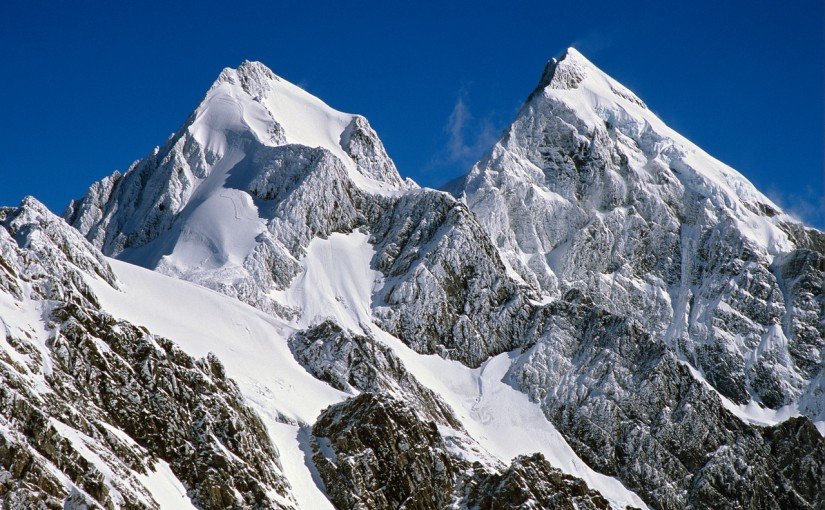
(336, 282)
(253, 100)
(251, 345)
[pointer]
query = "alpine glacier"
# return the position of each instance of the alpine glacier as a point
(262, 313)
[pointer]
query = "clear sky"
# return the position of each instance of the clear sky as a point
(89, 87)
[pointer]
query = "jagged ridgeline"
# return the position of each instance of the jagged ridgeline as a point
(262, 313)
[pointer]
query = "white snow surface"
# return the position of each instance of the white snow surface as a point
(304, 118)
(254, 99)
(336, 282)
(217, 230)
(214, 228)
(165, 488)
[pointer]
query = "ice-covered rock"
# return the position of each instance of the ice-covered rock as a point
(259, 170)
(589, 190)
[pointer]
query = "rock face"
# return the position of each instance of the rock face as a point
(91, 406)
(373, 451)
(640, 405)
(446, 290)
(665, 267)
(531, 482)
(356, 363)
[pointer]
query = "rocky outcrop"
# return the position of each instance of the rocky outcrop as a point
(361, 143)
(357, 363)
(446, 290)
(531, 482)
(183, 411)
(374, 451)
(39, 250)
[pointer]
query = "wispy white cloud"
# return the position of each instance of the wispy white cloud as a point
(468, 138)
(806, 205)
(593, 42)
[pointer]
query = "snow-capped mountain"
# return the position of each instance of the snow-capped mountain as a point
(589, 190)
(598, 315)
(590, 197)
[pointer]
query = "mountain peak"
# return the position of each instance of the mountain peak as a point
(573, 70)
(254, 66)
(565, 71)
(249, 72)
(252, 101)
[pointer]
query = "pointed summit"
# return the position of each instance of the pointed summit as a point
(250, 75)
(252, 104)
(573, 70)
(565, 71)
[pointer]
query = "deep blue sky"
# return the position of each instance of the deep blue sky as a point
(88, 87)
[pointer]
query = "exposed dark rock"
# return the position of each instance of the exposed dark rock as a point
(352, 362)
(447, 291)
(648, 421)
(531, 482)
(373, 451)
